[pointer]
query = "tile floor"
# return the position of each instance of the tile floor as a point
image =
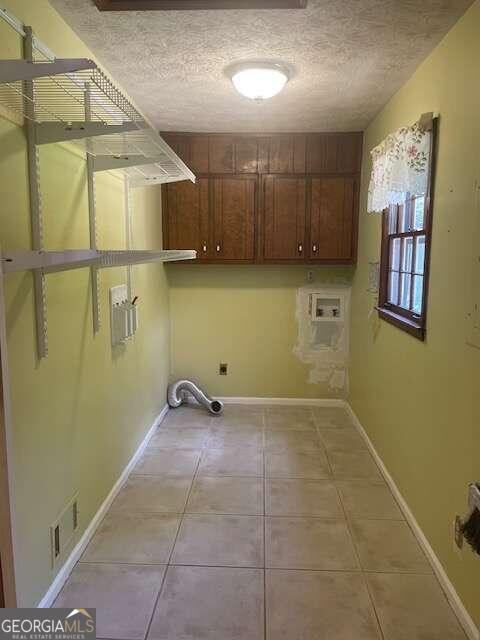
(267, 522)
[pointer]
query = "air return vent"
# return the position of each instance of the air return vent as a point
(62, 531)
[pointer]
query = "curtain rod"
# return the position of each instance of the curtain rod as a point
(425, 121)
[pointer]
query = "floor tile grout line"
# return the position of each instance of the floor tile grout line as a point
(171, 551)
(259, 568)
(357, 556)
(264, 527)
(372, 479)
(282, 516)
(336, 478)
(255, 515)
(354, 546)
(330, 469)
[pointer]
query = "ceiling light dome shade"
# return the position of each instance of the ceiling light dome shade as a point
(259, 81)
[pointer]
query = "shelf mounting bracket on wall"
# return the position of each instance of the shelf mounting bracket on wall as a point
(15, 70)
(53, 261)
(48, 261)
(49, 132)
(36, 216)
(92, 220)
(72, 100)
(110, 163)
(128, 233)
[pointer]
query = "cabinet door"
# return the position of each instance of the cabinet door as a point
(338, 153)
(186, 216)
(332, 218)
(284, 218)
(234, 219)
(287, 154)
(221, 154)
(246, 154)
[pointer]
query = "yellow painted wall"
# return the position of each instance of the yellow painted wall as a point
(420, 402)
(79, 415)
(245, 316)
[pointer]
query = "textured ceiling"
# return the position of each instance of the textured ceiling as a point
(347, 56)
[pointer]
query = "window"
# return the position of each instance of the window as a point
(406, 235)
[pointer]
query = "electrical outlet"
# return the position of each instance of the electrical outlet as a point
(222, 369)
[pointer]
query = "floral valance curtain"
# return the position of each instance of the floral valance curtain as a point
(400, 166)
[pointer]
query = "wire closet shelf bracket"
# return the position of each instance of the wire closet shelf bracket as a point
(73, 100)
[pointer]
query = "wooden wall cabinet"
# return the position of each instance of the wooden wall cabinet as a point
(289, 198)
(284, 209)
(214, 216)
(332, 230)
(186, 218)
(233, 217)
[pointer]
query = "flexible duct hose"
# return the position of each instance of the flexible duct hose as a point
(175, 399)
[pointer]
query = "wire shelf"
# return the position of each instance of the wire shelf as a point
(53, 261)
(160, 162)
(158, 173)
(139, 141)
(61, 98)
(72, 100)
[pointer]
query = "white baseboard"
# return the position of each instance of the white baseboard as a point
(452, 596)
(318, 402)
(79, 548)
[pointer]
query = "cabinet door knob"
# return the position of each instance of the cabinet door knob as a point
(204, 247)
(300, 247)
(314, 248)
(218, 248)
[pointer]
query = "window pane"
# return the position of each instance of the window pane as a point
(417, 294)
(402, 219)
(419, 212)
(395, 254)
(407, 252)
(419, 254)
(393, 287)
(405, 290)
(392, 219)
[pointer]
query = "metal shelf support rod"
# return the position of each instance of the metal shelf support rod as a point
(36, 216)
(92, 220)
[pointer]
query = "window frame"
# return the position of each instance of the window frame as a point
(407, 320)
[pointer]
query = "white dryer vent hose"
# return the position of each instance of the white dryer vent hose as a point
(175, 396)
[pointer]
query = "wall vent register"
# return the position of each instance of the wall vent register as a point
(63, 530)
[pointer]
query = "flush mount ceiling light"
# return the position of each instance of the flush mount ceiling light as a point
(259, 80)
